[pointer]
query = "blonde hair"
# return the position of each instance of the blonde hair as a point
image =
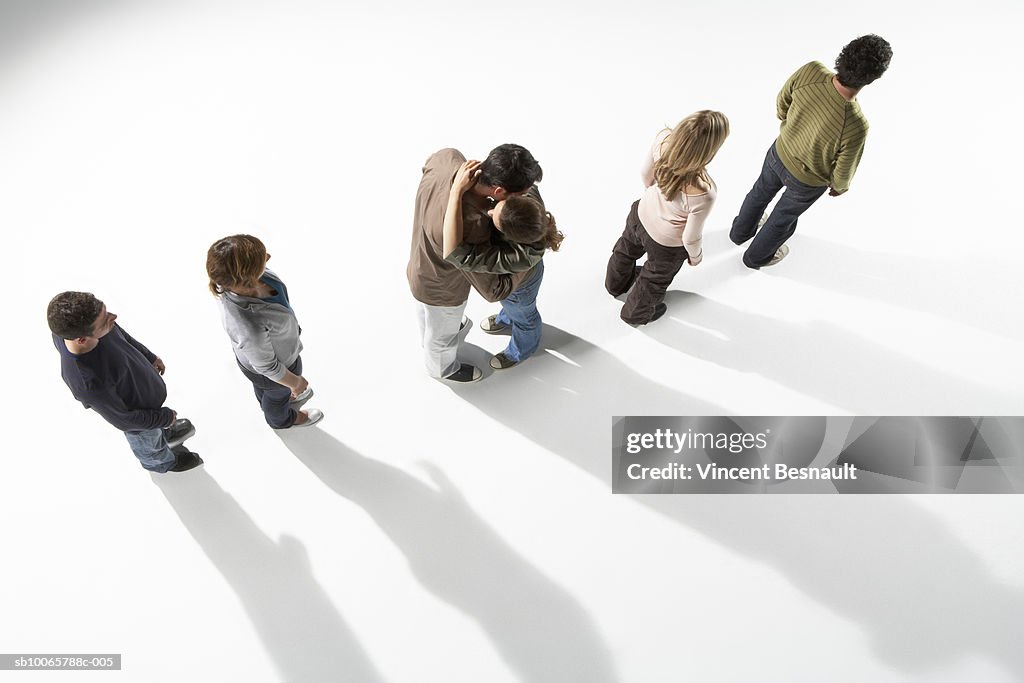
(687, 150)
(235, 261)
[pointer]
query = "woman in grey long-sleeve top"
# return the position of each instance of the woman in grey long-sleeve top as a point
(264, 332)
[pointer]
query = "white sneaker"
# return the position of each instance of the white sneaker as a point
(301, 399)
(780, 253)
(315, 415)
(760, 223)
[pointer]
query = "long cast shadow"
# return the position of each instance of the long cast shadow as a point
(821, 360)
(541, 631)
(305, 636)
(940, 288)
(923, 598)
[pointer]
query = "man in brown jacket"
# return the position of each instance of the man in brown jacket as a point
(441, 289)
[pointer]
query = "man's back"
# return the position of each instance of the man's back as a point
(433, 280)
(821, 138)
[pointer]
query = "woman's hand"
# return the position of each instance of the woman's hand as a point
(466, 177)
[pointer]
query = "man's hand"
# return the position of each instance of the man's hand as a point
(159, 366)
(695, 261)
(833, 192)
(174, 418)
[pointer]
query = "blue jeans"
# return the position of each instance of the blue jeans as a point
(519, 310)
(781, 224)
(151, 448)
(274, 398)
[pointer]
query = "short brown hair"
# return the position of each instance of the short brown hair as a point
(524, 220)
(71, 315)
(235, 261)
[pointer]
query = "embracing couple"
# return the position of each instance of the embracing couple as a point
(480, 224)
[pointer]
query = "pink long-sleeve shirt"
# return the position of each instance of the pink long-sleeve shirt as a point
(678, 222)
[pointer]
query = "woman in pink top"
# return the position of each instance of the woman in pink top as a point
(667, 222)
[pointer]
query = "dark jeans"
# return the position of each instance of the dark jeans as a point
(781, 224)
(657, 274)
(273, 397)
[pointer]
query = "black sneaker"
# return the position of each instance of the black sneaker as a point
(179, 431)
(502, 362)
(465, 374)
(186, 460)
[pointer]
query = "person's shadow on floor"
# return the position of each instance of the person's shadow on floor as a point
(542, 632)
(920, 594)
(302, 631)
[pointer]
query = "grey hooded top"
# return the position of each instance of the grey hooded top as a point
(264, 335)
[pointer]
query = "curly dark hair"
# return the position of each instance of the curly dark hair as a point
(511, 167)
(70, 315)
(863, 60)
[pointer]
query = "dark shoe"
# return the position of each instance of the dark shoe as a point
(659, 310)
(502, 362)
(179, 431)
(186, 460)
(490, 325)
(465, 374)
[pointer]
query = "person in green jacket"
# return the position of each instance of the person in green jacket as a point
(821, 140)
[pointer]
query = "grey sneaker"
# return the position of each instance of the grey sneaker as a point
(760, 223)
(781, 253)
(490, 325)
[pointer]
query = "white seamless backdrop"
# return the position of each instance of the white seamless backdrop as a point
(426, 533)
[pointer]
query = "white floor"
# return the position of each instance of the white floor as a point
(429, 534)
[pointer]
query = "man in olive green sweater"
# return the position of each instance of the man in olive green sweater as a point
(820, 143)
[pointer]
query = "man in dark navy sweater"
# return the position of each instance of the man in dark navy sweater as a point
(119, 378)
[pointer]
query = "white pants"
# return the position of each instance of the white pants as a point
(439, 332)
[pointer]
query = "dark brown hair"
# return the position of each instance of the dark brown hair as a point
(525, 221)
(70, 315)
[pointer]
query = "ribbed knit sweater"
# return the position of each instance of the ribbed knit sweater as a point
(822, 135)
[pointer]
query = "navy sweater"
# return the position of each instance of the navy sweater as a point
(117, 380)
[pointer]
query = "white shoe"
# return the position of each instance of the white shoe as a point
(301, 399)
(315, 415)
(760, 223)
(780, 253)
